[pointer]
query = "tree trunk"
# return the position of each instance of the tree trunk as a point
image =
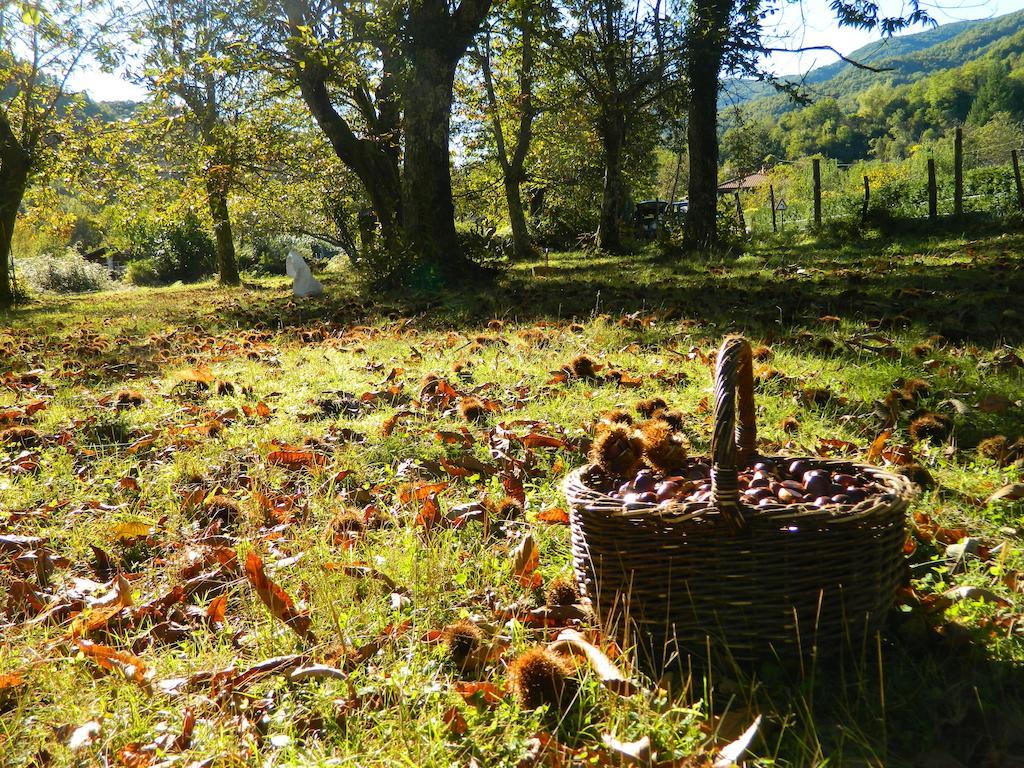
(613, 129)
(708, 33)
(376, 168)
(217, 196)
(13, 182)
(428, 209)
(521, 245)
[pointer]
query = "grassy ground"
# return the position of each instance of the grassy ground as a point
(134, 581)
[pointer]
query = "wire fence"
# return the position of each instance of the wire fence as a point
(981, 178)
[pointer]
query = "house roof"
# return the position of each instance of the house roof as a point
(751, 181)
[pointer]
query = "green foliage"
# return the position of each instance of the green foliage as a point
(933, 81)
(65, 273)
(171, 252)
(265, 254)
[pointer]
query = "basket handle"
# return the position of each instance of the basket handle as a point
(733, 439)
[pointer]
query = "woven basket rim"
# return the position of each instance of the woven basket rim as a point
(901, 491)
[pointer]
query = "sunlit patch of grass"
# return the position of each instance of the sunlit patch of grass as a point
(939, 680)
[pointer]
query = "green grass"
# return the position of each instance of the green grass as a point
(945, 682)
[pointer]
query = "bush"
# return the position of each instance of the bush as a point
(142, 272)
(266, 254)
(484, 244)
(171, 252)
(66, 273)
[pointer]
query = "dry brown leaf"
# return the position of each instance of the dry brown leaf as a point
(554, 516)
(484, 692)
(111, 659)
(1012, 492)
(525, 561)
(571, 642)
(276, 599)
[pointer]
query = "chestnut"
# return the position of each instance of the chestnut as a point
(798, 467)
(644, 481)
(818, 485)
(855, 494)
(790, 497)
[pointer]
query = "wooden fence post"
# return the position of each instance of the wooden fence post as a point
(867, 199)
(739, 213)
(816, 167)
(958, 173)
(933, 196)
(771, 199)
(1015, 156)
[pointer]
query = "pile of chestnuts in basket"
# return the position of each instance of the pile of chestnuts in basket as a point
(647, 463)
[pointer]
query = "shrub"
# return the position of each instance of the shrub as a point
(175, 251)
(66, 273)
(142, 272)
(266, 254)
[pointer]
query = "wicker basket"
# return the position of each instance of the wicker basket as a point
(732, 582)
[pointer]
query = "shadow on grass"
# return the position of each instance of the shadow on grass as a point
(965, 292)
(966, 295)
(918, 696)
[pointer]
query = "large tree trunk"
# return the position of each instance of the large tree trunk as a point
(13, 182)
(522, 247)
(613, 129)
(428, 209)
(708, 32)
(217, 196)
(376, 168)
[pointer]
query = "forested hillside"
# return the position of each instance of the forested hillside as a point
(964, 73)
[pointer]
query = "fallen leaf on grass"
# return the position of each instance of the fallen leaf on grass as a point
(572, 642)
(485, 693)
(994, 403)
(317, 672)
(430, 512)
(1012, 492)
(730, 754)
(537, 440)
(276, 599)
(111, 659)
(290, 459)
(217, 608)
(554, 516)
(420, 492)
(13, 543)
(201, 374)
(133, 529)
(630, 752)
(877, 446)
(455, 721)
(525, 561)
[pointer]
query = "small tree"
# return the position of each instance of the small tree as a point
(194, 63)
(507, 59)
(620, 55)
(42, 43)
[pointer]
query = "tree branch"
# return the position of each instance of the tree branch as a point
(847, 59)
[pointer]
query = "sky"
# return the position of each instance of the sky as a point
(804, 23)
